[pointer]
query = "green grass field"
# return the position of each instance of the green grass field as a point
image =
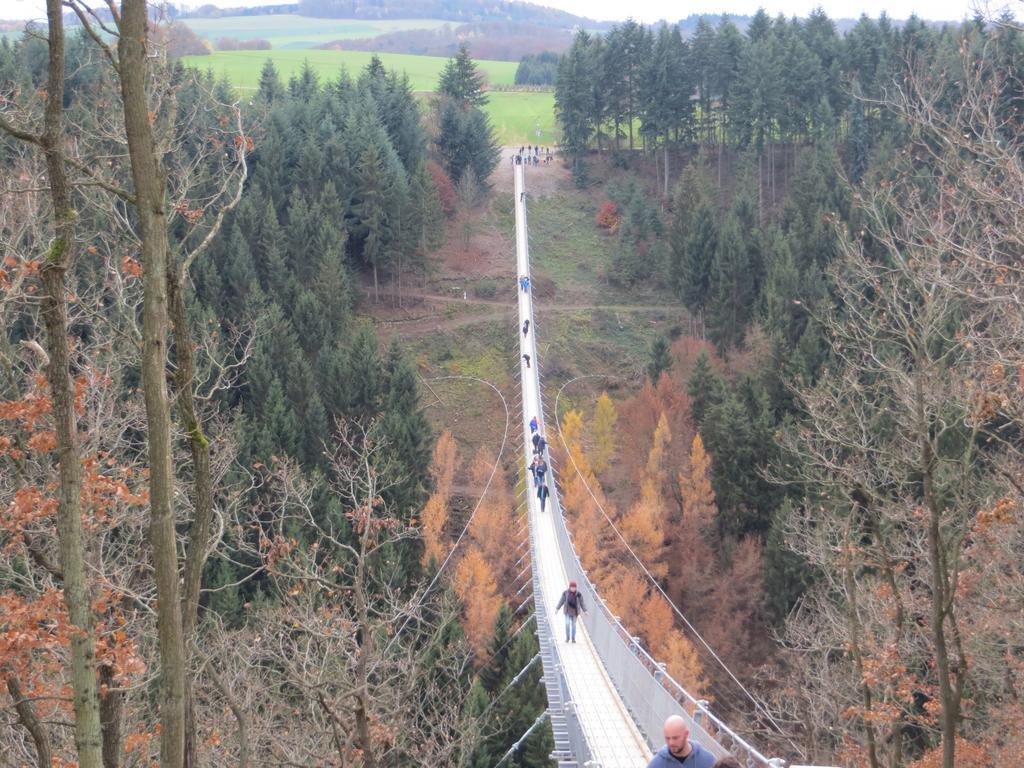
(516, 114)
(289, 32)
(242, 68)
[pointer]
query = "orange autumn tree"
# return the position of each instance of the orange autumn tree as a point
(435, 512)
(583, 498)
(475, 585)
(493, 528)
(643, 524)
(602, 433)
(699, 507)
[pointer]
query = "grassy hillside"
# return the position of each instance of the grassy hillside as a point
(516, 114)
(290, 32)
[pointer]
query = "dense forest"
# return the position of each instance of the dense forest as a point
(836, 433)
(213, 476)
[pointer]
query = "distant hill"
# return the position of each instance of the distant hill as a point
(501, 40)
(465, 11)
(462, 11)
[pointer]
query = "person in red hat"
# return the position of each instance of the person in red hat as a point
(573, 602)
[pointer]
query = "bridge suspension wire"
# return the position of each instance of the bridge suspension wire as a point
(479, 501)
(536, 724)
(758, 705)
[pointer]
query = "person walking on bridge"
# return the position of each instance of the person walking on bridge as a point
(540, 468)
(542, 494)
(533, 425)
(526, 327)
(679, 751)
(573, 602)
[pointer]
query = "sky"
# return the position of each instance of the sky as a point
(673, 10)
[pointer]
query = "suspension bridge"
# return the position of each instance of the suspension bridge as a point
(607, 698)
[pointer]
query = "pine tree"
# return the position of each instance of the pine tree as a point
(494, 671)
(732, 287)
(364, 377)
(694, 269)
(705, 387)
(661, 358)
(574, 102)
(407, 433)
(461, 81)
(270, 87)
(371, 214)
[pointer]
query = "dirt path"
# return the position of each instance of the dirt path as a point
(424, 324)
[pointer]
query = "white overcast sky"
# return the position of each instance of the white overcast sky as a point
(652, 10)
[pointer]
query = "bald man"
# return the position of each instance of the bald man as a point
(679, 751)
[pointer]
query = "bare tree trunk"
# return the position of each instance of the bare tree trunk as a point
(240, 718)
(199, 445)
(110, 717)
(150, 192)
(854, 632)
(202, 482)
(949, 701)
(55, 319)
(665, 152)
(363, 703)
(27, 717)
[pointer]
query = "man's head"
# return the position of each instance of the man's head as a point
(572, 586)
(677, 736)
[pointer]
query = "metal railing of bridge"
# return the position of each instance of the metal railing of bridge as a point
(650, 694)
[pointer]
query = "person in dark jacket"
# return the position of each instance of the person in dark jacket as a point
(532, 466)
(539, 444)
(542, 494)
(527, 359)
(573, 602)
(540, 468)
(679, 751)
(536, 440)
(526, 327)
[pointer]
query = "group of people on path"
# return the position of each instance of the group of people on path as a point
(531, 155)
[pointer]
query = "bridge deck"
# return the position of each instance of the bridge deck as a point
(610, 733)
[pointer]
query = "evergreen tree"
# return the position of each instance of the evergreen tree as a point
(461, 81)
(364, 376)
(660, 358)
(732, 287)
(407, 433)
(705, 387)
(270, 88)
(494, 671)
(370, 213)
(574, 103)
